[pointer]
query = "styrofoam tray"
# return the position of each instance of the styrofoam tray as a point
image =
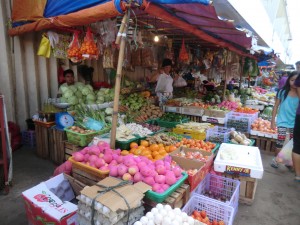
(243, 157)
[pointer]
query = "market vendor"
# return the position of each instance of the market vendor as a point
(69, 80)
(86, 73)
(164, 87)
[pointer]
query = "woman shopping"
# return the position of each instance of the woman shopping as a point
(164, 87)
(296, 147)
(285, 108)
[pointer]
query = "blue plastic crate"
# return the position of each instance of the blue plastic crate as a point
(28, 138)
(220, 186)
(214, 209)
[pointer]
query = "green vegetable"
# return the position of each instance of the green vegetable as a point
(172, 117)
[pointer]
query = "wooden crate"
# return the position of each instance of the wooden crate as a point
(247, 188)
(85, 177)
(197, 119)
(176, 200)
(69, 148)
(42, 140)
(266, 145)
(56, 145)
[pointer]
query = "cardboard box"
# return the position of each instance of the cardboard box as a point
(133, 193)
(44, 207)
(187, 164)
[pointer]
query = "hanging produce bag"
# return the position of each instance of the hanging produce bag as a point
(183, 54)
(147, 57)
(108, 58)
(44, 48)
(285, 155)
(136, 55)
(74, 53)
(89, 48)
(61, 47)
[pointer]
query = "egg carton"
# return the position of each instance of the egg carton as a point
(85, 218)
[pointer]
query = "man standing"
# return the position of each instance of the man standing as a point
(298, 66)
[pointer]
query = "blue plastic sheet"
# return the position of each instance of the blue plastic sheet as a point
(204, 2)
(63, 7)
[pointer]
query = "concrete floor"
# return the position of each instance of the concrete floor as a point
(277, 199)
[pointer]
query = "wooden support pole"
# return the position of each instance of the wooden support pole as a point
(118, 80)
(242, 71)
(226, 71)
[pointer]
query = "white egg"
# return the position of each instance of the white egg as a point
(106, 210)
(174, 222)
(163, 212)
(177, 211)
(149, 215)
(144, 220)
(167, 221)
(178, 218)
(190, 220)
(154, 210)
(158, 219)
(168, 208)
(150, 222)
(137, 223)
(159, 206)
(184, 216)
(171, 215)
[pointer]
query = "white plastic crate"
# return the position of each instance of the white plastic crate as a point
(214, 209)
(218, 134)
(241, 160)
(220, 186)
(192, 111)
(219, 120)
(240, 121)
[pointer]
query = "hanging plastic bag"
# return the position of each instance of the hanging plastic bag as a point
(183, 54)
(285, 155)
(180, 82)
(89, 48)
(161, 84)
(108, 58)
(60, 49)
(74, 53)
(45, 47)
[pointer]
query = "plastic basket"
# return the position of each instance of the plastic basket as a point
(168, 124)
(83, 139)
(125, 145)
(215, 148)
(214, 209)
(220, 186)
(88, 169)
(188, 133)
(29, 138)
(218, 134)
(160, 197)
(240, 121)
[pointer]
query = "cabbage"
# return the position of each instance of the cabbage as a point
(64, 88)
(79, 85)
(86, 91)
(91, 97)
(73, 100)
(63, 100)
(101, 99)
(108, 119)
(89, 102)
(80, 100)
(69, 93)
(73, 88)
(109, 111)
(78, 94)
(89, 87)
(105, 90)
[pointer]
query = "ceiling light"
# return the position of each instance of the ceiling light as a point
(156, 38)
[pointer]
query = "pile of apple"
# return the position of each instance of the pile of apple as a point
(192, 155)
(160, 175)
(202, 217)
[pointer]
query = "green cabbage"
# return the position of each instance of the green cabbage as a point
(89, 87)
(73, 88)
(109, 111)
(86, 91)
(69, 93)
(78, 94)
(73, 100)
(79, 85)
(63, 100)
(91, 97)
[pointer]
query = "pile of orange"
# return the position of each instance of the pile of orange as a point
(152, 152)
(89, 47)
(196, 144)
(74, 52)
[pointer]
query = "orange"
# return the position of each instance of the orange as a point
(167, 148)
(162, 152)
(124, 152)
(144, 143)
(155, 153)
(149, 157)
(160, 145)
(172, 148)
(145, 152)
(133, 145)
(137, 151)
(141, 147)
(154, 147)
(158, 157)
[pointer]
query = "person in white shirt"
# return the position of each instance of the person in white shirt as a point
(164, 86)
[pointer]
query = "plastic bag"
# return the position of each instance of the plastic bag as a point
(89, 48)
(74, 53)
(180, 82)
(108, 58)
(285, 155)
(183, 54)
(161, 84)
(92, 124)
(60, 49)
(45, 47)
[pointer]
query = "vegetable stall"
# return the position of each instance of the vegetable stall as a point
(128, 160)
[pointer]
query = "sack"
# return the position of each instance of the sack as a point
(44, 48)
(180, 82)
(285, 155)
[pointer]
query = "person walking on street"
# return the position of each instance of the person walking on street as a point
(285, 108)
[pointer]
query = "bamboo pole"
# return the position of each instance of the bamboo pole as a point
(242, 71)
(121, 29)
(226, 71)
(118, 79)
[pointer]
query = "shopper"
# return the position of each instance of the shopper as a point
(164, 86)
(296, 147)
(282, 80)
(286, 105)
